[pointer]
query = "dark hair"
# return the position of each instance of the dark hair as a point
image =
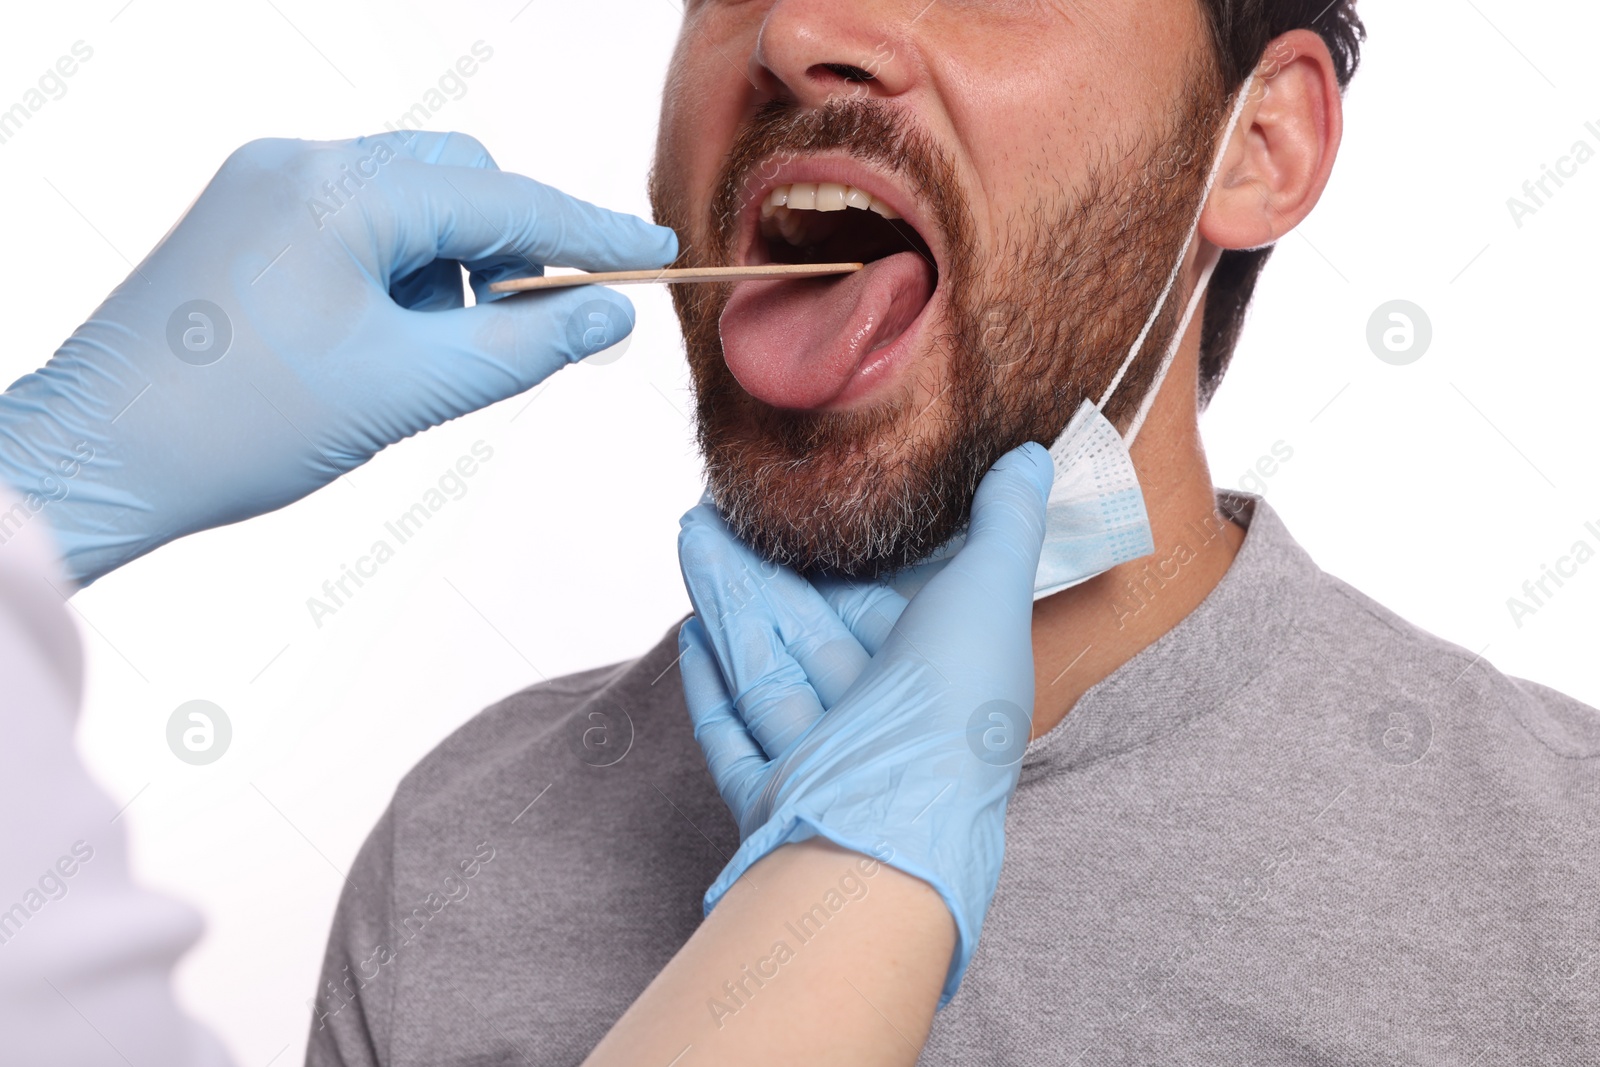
(1241, 30)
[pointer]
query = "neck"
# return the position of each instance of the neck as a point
(1082, 635)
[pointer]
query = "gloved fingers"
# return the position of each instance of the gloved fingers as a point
(770, 688)
(470, 358)
(869, 609)
(779, 707)
(449, 149)
(732, 754)
(485, 272)
(436, 287)
(484, 217)
(978, 610)
(753, 606)
(828, 656)
(1006, 532)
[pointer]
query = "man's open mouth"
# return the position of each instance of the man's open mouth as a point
(815, 342)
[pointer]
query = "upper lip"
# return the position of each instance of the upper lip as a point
(828, 167)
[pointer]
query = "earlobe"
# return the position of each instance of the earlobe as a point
(1282, 154)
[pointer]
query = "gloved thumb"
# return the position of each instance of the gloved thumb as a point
(1006, 532)
(476, 356)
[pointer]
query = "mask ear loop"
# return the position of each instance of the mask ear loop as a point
(1172, 350)
(1172, 279)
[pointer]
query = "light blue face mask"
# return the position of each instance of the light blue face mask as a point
(1096, 516)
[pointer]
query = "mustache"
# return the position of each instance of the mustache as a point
(867, 130)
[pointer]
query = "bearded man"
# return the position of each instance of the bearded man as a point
(1260, 818)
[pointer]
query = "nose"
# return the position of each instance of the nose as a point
(812, 51)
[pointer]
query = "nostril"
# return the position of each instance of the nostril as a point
(847, 72)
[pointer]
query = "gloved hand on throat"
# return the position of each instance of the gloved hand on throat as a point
(843, 711)
(306, 313)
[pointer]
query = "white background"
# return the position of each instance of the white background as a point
(1437, 487)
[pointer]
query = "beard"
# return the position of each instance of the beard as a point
(1034, 325)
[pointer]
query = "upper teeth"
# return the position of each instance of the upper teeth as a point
(823, 196)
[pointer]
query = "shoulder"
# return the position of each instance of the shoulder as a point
(501, 732)
(579, 799)
(1315, 642)
(1393, 662)
(558, 732)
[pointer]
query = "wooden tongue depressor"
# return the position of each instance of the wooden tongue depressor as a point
(773, 271)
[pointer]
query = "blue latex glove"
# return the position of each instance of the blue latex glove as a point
(844, 712)
(333, 326)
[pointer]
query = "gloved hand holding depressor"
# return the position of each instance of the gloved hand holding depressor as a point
(908, 743)
(304, 314)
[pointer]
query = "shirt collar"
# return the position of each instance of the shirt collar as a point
(1191, 669)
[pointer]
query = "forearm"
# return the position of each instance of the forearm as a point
(817, 955)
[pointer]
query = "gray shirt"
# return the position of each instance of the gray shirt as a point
(1294, 830)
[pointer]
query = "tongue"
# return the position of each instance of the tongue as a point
(796, 344)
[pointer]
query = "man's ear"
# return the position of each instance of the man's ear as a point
(1282, 153)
